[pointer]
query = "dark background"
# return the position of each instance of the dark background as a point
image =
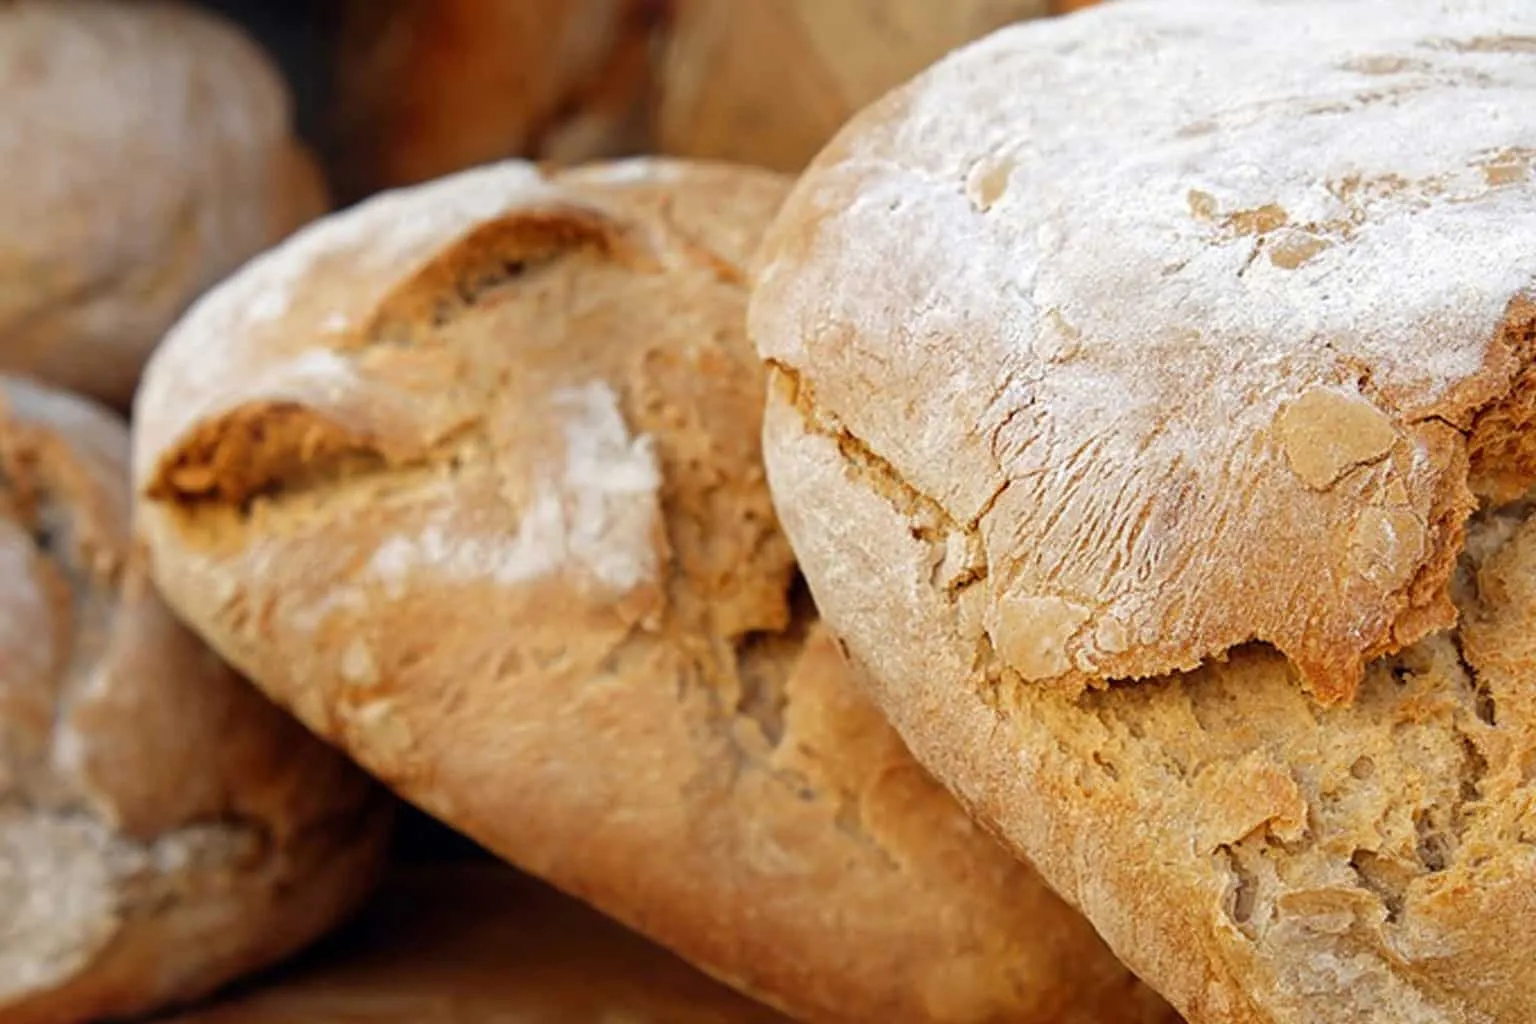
(298, 34)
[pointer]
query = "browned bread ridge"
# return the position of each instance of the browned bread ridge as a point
(482, 944)
(1178, 344)
(768, 82)
(427, 87)
(469, 476)
(163, 828)
(147, 153)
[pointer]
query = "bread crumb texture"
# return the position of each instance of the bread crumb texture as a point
(148, 152)
(162, 828)
(1198, 322)
(470, 477)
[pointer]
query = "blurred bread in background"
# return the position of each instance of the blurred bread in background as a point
(148, 152)
(769, 82)
(426, 87)
(163, 828)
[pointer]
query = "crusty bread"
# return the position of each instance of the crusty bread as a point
(482, 944)
(428, 87)
(147, 154)
(469, 477)
(1257, 858)
(768, 82)
(162, 827)
(1180, 343)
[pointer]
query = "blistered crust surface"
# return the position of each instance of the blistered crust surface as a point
(148, 153)
(162, 828)
(470, 477)
(1195, 318)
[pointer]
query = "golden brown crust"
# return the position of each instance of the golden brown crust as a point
(1107, 300)
(503, 534)
(150, 154)
(429, 87)
(768, 82)
(163, 828)
(482, 944)
(1260, 859)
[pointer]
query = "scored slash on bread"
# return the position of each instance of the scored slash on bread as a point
(469, 476)
(1179, 338)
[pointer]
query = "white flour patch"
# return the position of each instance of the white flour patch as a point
(597, 513)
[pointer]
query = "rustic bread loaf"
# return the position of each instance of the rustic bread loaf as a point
(147, 153)
(1257, 858)
(1180, 343)
(768, 82)
(469, 477)
(162, 827)
(1166, 355)
(427, 87)
(481, 944)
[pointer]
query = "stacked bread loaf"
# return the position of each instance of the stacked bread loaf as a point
(163, 828)
(1064, 558)
(1153, 414)
(488, 451)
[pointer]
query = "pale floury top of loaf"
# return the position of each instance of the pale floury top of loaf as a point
(148, 151)
(1196, 321)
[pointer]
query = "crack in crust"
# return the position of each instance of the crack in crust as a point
(1288, 861)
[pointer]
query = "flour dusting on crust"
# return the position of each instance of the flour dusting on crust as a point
(598, 512)
(1112, 269)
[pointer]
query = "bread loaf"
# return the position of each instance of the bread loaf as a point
(163, 828)
(492, 469)
(481, 944)
(148, 153)
(428, 87)
(769, 81)
(1197, 351)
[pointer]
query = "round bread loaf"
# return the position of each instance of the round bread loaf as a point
(162, 827)
(147, 153)
(482, 944)
(1194, 323)
(428, 87)
(1205, 340)
(476, 489)
(768, 82)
